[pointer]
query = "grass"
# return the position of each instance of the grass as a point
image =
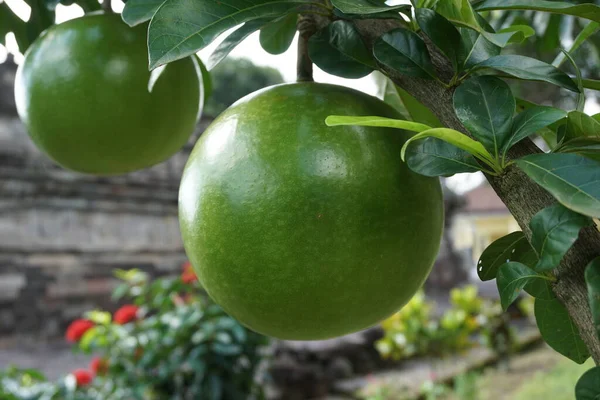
(556, 384)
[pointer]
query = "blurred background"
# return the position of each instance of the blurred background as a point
(63, 235)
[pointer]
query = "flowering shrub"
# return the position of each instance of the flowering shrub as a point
(415, 330)
(169, 342)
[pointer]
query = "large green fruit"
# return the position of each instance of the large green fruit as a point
(89, 102)
(302, 231)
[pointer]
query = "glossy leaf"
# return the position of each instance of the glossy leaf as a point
(590, 29)
(453, 137)
(441, 32)
(581, 125)
(531, 121)
(512, 247)
(592, 279)
(485, 105)
(339, 50)
(434, 157)
(231, 41)
(571, 179)
(183, 27)
(587, 11)
(511, 279)
(417, 111)
(337, 120)
(366, 7)
(10, 22)
(476, 48)
(585, 146)
(559, 331)
(520, 32)
(461, 13)
(554, 230)
(136, 12)
(540, 289)
(404, 51)
(277, 36)
(588, 386)
(580, 105)
(529, 69)
(388, 93)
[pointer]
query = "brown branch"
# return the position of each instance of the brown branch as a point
(523, 197)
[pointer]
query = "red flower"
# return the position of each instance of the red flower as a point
(77, 328)
(126, 314)
(188, 276)
(83, 377)
(99, 366)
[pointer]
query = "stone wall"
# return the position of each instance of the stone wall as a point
(62, 233)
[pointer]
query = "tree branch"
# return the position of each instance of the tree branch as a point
(523, 197)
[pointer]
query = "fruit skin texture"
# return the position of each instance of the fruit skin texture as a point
(303, 231)
(89, 102)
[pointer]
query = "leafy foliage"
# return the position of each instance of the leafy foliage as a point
(415, 330)
(172, 342)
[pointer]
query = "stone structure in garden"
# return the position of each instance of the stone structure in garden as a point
(62, 233)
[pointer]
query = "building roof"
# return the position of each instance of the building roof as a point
(483, 199)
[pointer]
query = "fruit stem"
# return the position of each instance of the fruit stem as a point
(107, 6)
(304, 66)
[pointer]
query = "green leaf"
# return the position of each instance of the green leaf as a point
(520, 32)
(339, 50)
(477, 48)
(529, 69)
(485, 105)
(277, 36)
(540, 289)
(559, 331)
(137, 11)
(585, 146)
(434, 157)
(571, 179)
(388, 93)
(10, 22)
(417, 111)
(461, 13)
(584, 35)
(592, 278)
(405, 52)
(336, 120)
(531, 121)
(511, 279)
(579, 80)
(366, 7)
(183, 27)
(554, 230)
(588, 386)
(581, 125)
(441, 32)
(453, 137)
(587, 11)
(231, 41)
(512, 247)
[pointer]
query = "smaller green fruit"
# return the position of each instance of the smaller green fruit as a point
(89, 102)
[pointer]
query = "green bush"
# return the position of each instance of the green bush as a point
(415, 330)
(171, 342)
